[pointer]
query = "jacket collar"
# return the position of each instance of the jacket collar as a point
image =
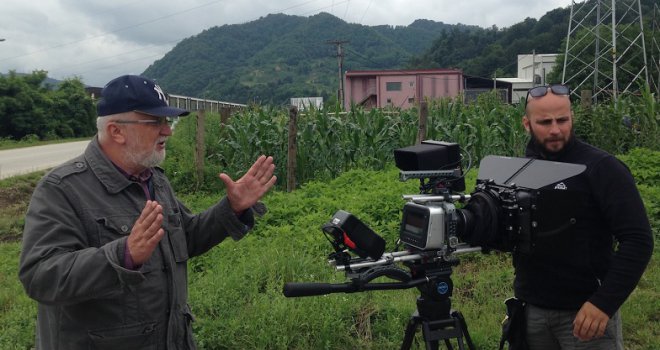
(103, 168)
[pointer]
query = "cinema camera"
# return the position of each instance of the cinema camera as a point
(513, 204)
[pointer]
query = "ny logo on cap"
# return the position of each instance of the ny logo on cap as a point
(161, 94)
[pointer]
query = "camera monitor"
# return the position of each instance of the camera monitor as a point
(429, 155)
(433, 157)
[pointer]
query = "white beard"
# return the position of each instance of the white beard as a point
(147, 158)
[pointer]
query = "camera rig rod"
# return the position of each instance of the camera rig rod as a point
(401, 256)
(425, 174)
(387, 258)
(421, 198)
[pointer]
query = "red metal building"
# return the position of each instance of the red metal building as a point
(400, 88)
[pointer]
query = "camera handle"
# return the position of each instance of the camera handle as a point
(434, 314)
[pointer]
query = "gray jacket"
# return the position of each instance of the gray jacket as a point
(73, 251)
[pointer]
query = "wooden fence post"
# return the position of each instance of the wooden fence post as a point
(423, 117)
(199, 146)
(292, 150)
(224, 115)
(585, 99)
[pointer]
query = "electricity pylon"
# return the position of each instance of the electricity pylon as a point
(654, 68)
(605, 49)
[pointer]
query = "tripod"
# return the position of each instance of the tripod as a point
(434, 314)
(430, 274)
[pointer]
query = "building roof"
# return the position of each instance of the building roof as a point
(515, 80)
(403, 72)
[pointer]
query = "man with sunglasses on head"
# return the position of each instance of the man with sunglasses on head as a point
(575, 281)
(106, 241)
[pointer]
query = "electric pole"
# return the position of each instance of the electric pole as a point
(340, 62)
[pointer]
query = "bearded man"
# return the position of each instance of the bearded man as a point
(574, 282)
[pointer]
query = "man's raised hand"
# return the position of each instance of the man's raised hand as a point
(249, 189)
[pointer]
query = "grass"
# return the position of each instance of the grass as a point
(14, 199)
(17, 311)
(247, 277)
(236, 288)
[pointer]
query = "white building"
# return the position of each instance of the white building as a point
(532, 71)
(304, 103)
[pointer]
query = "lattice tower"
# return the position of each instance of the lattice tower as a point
(605, 49)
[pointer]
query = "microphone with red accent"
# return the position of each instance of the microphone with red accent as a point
(349, 232)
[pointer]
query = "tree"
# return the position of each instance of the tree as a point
(29, 107)
(74, 110)
(23, 105)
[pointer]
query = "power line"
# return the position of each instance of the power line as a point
(173, 14)
(61, 68)
(83, 63)
(110, 32)
(365, 11)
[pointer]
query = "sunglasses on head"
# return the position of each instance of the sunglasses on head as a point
(540, 91)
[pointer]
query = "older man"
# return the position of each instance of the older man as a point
(106, 241)
(575, 281)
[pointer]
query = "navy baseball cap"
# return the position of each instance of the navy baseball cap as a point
(133, 93)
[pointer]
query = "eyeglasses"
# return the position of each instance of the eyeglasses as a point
(540, 91)
(156, 122)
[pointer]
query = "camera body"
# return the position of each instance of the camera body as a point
(430, 226)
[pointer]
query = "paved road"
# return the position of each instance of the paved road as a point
(29, 159)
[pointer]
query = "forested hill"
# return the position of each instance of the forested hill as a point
(484, 52)
(279, 56)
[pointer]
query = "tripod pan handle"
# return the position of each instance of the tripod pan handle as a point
(297, 289)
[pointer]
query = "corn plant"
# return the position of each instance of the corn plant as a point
(331, 142)
(618, 126)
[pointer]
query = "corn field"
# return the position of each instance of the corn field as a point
(330, 142)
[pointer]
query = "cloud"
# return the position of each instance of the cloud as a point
(98, 40)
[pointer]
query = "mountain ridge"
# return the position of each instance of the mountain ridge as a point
(280, 56)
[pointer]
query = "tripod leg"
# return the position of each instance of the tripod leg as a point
(411, 328)
(463, 324)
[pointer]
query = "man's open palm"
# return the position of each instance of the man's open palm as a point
(247, 191)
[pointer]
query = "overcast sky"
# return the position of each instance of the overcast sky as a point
(98, 40)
